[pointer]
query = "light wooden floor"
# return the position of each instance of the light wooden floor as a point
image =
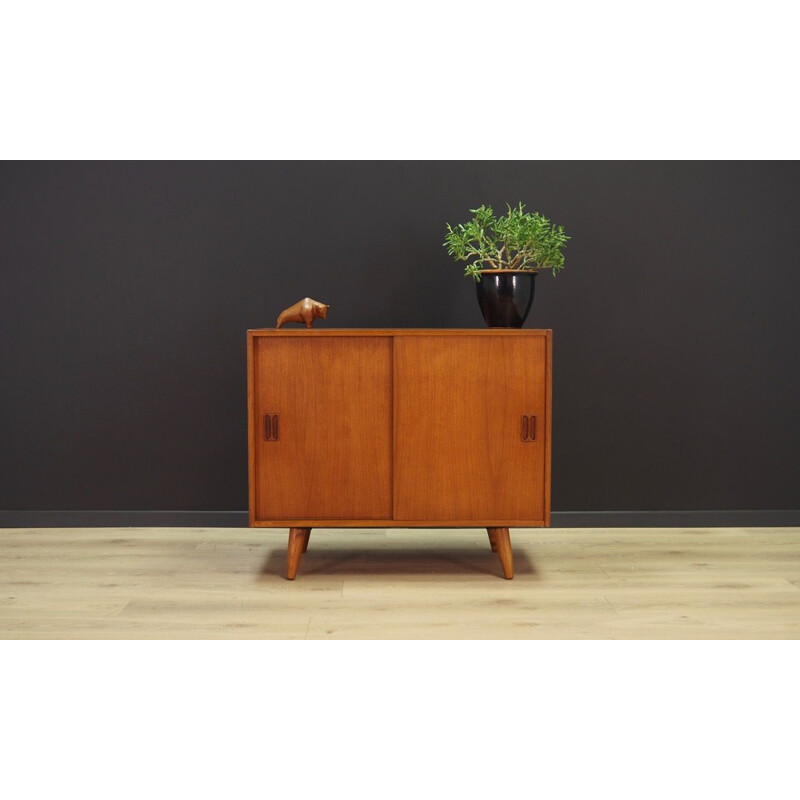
(220, 583)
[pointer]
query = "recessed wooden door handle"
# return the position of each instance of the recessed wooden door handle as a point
(271, 429)
(528, 427)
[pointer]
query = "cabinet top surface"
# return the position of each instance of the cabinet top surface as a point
(399, 332)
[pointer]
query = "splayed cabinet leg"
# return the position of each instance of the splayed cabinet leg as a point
(298, 541)
(502, 544)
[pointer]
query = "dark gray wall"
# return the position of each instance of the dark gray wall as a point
(127, 289)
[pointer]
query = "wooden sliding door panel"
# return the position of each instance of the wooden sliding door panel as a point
(322, 425)
(470, 427)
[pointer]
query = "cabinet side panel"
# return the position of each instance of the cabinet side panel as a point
(470, 428)
(251, 452)
(548, 428)
(326, 451)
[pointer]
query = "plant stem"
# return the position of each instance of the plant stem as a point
(500, 256)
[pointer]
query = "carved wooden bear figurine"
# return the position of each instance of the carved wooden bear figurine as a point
(305, 310)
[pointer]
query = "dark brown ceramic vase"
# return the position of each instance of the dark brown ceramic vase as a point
(506, 296)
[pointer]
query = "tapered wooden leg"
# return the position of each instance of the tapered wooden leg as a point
(306, 538)
(503, 542)
(492, 539)
(298, 539)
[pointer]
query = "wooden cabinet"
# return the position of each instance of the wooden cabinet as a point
(399, 428)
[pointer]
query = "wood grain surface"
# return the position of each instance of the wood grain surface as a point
(328, 332)
(229, 583)
(456, 398)
(298, 544)
(501, 544)
(459, 453)
(333, 456)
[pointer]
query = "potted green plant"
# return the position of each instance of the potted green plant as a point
(505, 254)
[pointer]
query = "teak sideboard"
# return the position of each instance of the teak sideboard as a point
(399, 428)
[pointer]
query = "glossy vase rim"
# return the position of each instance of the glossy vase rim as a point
(520, 271)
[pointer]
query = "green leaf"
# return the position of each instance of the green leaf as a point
(524, 241)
